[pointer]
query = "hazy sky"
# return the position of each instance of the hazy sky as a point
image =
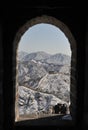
(44, 37)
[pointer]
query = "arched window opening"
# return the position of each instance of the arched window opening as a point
(45, 70)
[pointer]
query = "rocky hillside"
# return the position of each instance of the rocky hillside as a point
(44, 80)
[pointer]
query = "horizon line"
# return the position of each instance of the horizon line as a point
(44, 52)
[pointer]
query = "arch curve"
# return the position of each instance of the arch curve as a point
(53, 21)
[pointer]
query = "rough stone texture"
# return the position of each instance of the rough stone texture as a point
(1, 77)
(13, 19)
(86, 83)
(64, 28)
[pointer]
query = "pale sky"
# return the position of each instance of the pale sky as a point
(44, 37)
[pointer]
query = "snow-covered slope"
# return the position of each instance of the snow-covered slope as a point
(56, 84)
(31, 102)
(21, 55)
(36, 56)
(43, 81)
(59, 58)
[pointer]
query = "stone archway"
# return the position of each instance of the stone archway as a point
(68, 34)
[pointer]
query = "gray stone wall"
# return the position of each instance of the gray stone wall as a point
(75, 22)
(86, 81)
(66, 31)
(1, 79)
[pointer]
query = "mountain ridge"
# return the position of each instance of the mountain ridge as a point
(43, 81)
(42, 56)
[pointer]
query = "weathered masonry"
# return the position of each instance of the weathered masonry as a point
(67, 32)
(72, 21)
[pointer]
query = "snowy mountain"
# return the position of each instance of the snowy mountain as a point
(36, 56)
(35, 102)
(43, 81)
(60, 59)
(21, 54)
(56, 84)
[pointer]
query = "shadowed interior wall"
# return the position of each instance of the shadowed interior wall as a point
(14, 19)
(72, 42)
(1, 79)
(86, 78)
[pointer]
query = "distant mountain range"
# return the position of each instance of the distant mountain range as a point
(44, 75)
(59, 58)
